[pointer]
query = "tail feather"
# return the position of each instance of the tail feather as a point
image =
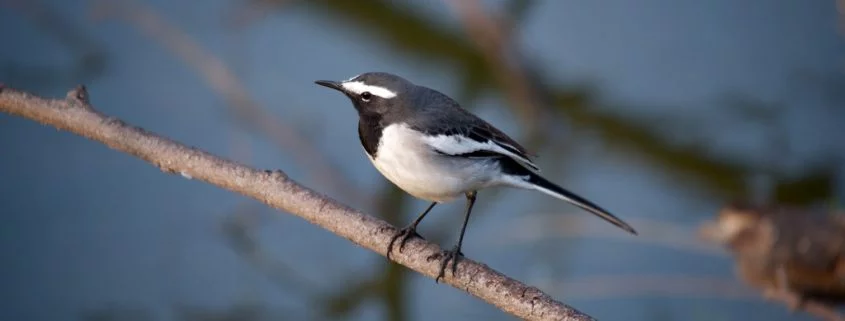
(543, 185)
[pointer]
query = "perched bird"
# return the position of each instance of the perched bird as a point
(427, 145)
(785, 250)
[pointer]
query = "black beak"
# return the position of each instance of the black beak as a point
(331, 84)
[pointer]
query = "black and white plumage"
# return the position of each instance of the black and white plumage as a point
(426, 144)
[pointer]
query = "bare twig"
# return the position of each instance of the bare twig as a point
(222, 80)
(275, 189)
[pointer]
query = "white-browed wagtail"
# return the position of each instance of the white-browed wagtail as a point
(427, 145)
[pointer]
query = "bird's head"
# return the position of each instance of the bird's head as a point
(375, 93)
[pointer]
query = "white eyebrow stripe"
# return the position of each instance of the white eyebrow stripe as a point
(359, 87)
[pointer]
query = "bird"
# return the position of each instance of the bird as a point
(426, 144)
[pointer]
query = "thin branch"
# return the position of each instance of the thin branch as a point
(222, 80)
(274, 188)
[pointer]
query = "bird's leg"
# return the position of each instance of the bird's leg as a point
(455, 254)
(408, 232)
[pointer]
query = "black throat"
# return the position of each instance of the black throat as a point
(369, 131)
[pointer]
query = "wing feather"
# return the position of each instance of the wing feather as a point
(480, 142)
(473, 138)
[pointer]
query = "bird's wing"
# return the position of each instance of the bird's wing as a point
(477, 139)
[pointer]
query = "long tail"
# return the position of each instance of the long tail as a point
(543, 185)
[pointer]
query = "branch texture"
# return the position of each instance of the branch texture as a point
(274, 188)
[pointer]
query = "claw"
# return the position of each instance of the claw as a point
(404, 234)
(453, 255)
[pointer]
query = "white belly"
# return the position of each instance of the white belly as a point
(418, 170)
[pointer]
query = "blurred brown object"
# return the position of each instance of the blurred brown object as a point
(793, 255)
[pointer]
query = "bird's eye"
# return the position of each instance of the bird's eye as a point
(366, 96)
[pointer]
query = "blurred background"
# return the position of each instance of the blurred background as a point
(660, 111)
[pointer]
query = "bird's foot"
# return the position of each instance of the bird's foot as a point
(403, 234)
(452, 255)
